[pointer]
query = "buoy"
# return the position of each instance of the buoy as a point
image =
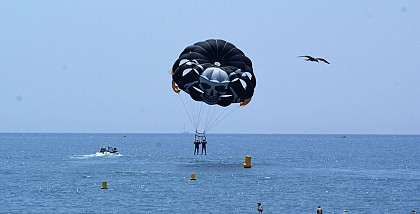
(104, 185)
(193, 178)
(247, 163)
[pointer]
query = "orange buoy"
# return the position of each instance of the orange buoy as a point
(247, 163)
(104, 185)
(193, 177)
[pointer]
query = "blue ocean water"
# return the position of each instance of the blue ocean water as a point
(61, 173)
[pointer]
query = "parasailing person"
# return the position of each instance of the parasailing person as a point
(196, 146)
(203, 146)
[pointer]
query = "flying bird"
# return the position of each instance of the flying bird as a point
(313, 59)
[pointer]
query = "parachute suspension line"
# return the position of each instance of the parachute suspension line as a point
(226, 112)
(201, 108)
(185, 107)
(210, 113)
(213, 115)
(220, 116)
(191, 109)
(204, 117)
(195, 110)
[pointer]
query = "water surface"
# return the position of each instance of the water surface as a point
(61, 173)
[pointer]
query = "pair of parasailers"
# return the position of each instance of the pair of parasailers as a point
(197, 143)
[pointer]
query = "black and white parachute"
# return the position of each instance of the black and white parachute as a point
(215, 72)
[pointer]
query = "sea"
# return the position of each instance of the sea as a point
(64, 173)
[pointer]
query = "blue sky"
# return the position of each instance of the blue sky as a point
(104, 66)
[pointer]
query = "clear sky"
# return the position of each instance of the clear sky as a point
(104, 66)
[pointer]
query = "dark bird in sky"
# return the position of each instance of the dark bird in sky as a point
(313, 59)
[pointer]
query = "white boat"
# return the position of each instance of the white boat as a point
(108, 151)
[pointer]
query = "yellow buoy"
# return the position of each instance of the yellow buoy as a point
(193, 178)
(247, 163)
(104, 185)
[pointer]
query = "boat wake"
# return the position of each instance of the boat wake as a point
(97, 154)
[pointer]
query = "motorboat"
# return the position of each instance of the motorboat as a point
(109, 150)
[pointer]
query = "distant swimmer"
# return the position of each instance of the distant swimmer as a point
(260, 208)
(413, 212)
(319, 210)
(313, 59)
(345, 212)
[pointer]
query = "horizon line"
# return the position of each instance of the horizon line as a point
(219, 133)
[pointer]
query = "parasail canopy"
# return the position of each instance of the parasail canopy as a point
(214, 72)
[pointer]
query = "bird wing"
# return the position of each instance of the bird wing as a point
(321, 59)
(306, 56)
